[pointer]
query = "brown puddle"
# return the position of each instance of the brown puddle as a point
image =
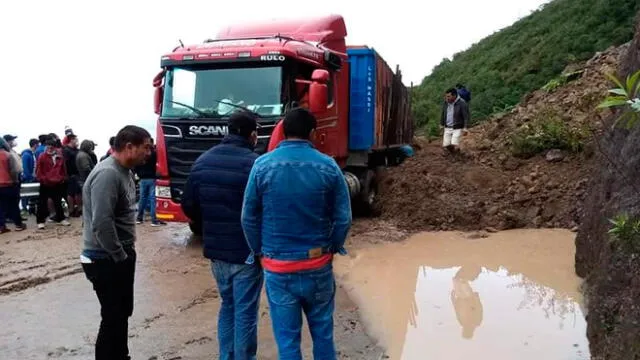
(513, 295)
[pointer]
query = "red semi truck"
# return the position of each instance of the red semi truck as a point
(362, 107)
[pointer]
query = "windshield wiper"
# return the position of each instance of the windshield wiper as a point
(238, 106)
(195, 110)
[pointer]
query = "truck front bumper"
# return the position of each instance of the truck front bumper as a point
(168, 210)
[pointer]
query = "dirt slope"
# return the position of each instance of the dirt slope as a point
(486, 186)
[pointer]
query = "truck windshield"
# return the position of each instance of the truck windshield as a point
(204, 92)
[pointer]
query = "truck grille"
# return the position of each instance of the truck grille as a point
(182, 153)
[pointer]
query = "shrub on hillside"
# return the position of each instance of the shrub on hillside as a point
(547, 131)
(625, 232)
(625, 96)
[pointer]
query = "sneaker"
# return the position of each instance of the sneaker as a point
(50, 220)
(21, 227)
(40, 226)
(4, 230)
(139, 221)
(158, 223)
(64, 223)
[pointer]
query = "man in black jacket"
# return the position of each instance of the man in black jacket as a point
(147, 184)
(74, 191)
(213, 197)
(454, 120)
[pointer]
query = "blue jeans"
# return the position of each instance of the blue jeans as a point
(289, 295)
(147, 198)
(239, 286)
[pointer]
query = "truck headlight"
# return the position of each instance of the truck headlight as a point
(163, 192)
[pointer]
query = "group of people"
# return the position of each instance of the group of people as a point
(275, 220)
(455, 117)
(59, 166)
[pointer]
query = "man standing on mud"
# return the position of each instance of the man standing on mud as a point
(213, 198)
(454, 120)
(74, 192)
(296, 216)
(109, 257)
(51, 172)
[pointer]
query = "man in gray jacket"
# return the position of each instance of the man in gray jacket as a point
(455, 119)
(109, 257)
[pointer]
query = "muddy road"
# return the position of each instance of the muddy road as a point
(48, 309)
(435, 296)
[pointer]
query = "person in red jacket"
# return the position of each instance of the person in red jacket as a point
(51, 173)
(9, 189)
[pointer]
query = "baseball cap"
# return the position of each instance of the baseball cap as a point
(242, 123)
(9, 137)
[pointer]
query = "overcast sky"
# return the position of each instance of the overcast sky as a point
(90, 64)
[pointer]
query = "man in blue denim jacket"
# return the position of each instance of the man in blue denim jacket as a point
(296, 215)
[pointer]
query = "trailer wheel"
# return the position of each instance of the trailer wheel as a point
(369, 191)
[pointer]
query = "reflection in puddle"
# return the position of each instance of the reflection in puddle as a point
(442, 296)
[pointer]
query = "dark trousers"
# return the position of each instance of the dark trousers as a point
(55, 193)
(113, 284)
(9, 198)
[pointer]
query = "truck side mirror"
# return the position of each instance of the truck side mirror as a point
(318, 94)
(157, 100)
(159, 93)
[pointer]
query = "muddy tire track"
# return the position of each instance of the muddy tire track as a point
(201, 299)
(22, 270)
(28, 281)
(33, 237)
(12, 262)
(148, 321)
(62, 351)
(201, 341)
(23, 285)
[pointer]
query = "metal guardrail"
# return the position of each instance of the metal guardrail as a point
(29, 190)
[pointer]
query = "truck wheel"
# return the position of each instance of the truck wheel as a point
(368, 194)
(196, 230)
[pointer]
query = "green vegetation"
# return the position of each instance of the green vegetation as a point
(503, 67)
(626, 232)
(561, 80)
(626, 95)
(547, 131)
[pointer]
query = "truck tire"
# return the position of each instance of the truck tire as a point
(365, 200)
(196, 230)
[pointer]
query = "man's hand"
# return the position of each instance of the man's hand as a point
(465, 132)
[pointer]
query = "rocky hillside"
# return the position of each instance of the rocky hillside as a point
(516, 170)
(611, 265)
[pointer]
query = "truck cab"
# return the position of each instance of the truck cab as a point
(265, 68)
